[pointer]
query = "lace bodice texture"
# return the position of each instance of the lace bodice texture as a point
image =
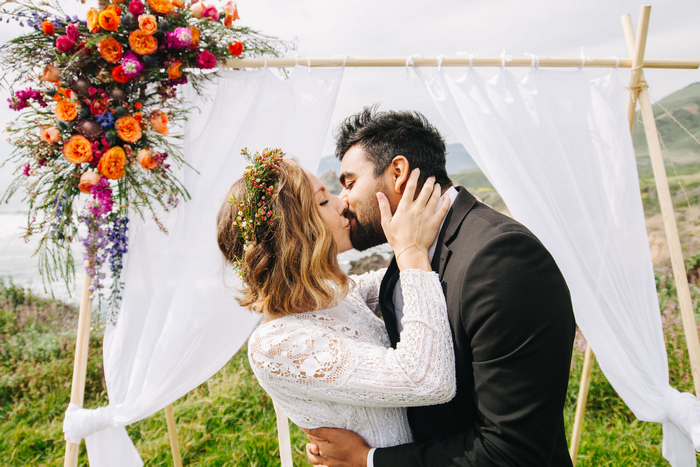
(335, 367)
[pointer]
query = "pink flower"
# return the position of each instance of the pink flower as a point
(197, 9)
(50, 134)
(72, 32)
(136, 8)
(64, 43)
(206, 60)
(210, 12)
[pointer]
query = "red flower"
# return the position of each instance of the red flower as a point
(206, 60)
(99, 106)
(236, 48)
(119, 76)
(64, 43)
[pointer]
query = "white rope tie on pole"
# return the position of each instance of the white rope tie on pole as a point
(504, 58)
(439, 62)
(617, 62)
(535, 60)
(585, 59)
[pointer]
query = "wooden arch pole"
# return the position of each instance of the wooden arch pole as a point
(77, 392)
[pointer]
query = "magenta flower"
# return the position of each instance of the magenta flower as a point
(210, 12)
(136, 8)
(179, 38)
(72, 32)
(131, 65)
(206, 60)
(64, 43)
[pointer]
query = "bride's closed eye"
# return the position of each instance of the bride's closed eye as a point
(323, 203)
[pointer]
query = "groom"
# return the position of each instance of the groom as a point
(508, 305)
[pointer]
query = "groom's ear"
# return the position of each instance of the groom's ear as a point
(400, 171)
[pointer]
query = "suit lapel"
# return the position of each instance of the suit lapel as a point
(459, 210)
(386, 301)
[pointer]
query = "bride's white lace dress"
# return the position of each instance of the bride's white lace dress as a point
(334, 367)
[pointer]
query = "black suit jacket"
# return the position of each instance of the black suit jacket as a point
(513, 330)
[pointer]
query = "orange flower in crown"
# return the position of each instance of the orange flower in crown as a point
(93, 20)
(110, 49)
(77, 149)
(236, 48)
(47, 28)
(50, 73)
(112, 162)
(128, 129)
(109, 20)
(161, 6)
(142, 43)
(119, 76)
(66, 110)
(174, 71)
(117, 9)
(87, 181)
(148, 24)
(177, 3)
(159, 122)
(146, 159)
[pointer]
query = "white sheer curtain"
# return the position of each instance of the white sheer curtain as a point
(178, 324)
(557, 147)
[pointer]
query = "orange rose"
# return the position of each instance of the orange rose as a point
(47, 28)
(128, 129)
(112, 162)
(177, 3)
(174, 71)
(142, 43)
(110, 49)
(148, 24)
(146, 159)
(195, 37)
(118, 75)
(109, 20)
(93, 22)
(159, 122)
(77, 150)
(66, 110)
(116, 9)
(51, 73)
(236, 48)
(88, 180)
(161, 6)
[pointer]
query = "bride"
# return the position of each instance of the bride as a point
(320, 351)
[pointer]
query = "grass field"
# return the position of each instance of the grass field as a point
(229, 420)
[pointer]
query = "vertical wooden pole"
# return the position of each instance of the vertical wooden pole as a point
(581, 403)
(283, 436)
(77, 392)
(172, 433)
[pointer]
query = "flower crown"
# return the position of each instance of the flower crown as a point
(261, 189)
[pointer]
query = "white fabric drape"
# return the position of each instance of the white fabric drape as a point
(557, 148)
(179, 324)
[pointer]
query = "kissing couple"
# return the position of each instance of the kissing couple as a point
(470, 364)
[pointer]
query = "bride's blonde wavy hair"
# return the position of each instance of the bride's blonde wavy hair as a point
(293, 265)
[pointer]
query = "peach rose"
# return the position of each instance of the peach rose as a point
(159, 122)
(148, 24)
(109, 20)
(66, 110)
(146, 159)
(197, 9)
(161, 6)
(93, 21)
(110, 49)
(51, 73)
(88, 180)
(50, 134)
(142, 43)
(77, 150)
(112, 162)
(174, 71)
(128, 129)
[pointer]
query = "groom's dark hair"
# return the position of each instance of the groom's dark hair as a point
(385, 135)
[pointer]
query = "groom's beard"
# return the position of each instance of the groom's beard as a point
(366, 225)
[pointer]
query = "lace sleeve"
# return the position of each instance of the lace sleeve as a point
(367, 286)
(319, 363)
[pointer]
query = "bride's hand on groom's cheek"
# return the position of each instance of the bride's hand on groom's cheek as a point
(334, 447)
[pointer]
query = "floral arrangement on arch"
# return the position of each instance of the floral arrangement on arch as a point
(97, 114)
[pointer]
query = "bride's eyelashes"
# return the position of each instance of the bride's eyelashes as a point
(323, 203)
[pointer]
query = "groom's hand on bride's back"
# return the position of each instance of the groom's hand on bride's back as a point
(335, 447)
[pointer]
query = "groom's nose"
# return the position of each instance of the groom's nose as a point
(342, 205)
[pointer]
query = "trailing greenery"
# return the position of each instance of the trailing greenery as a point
(229, 420)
